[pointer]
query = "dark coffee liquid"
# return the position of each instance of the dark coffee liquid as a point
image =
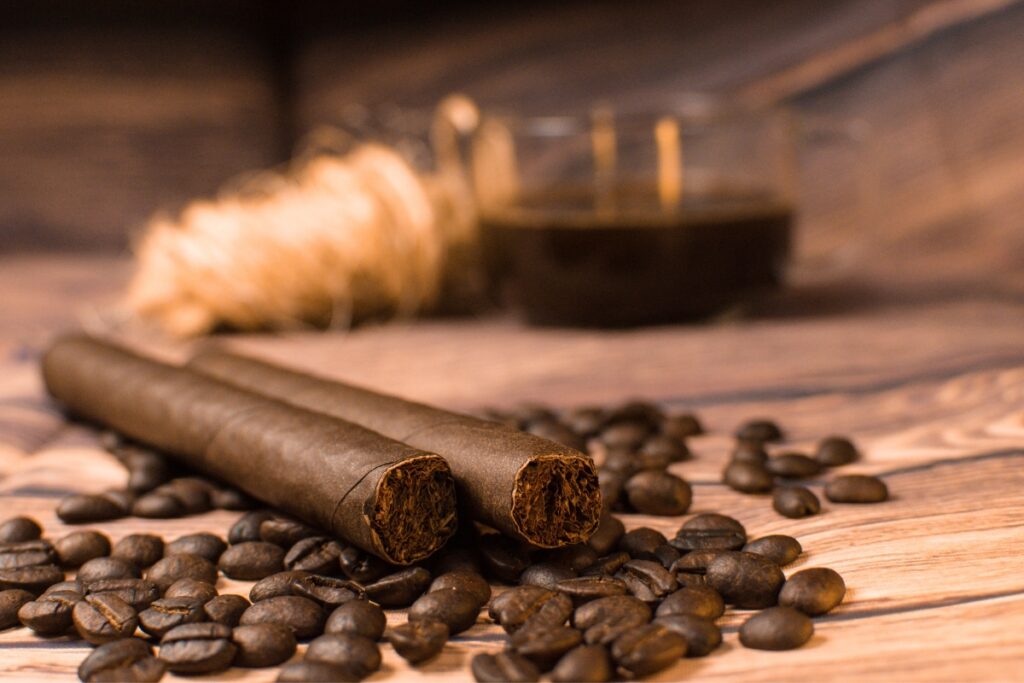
(564, 262)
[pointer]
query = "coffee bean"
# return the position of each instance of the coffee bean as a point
(84, 508)
(358, 618)
(361, 566)
(545, 574)
(275, 585)
(191, 588)
(607, 565)
(18, 529)
(795, 502)
(503, 666)
(637, 410)
(554, 430)
(418, 641)
(128, 659)
(856, 488)
(326, 590)
(50, 614)
(142, 550)
(66, 586)
(313, 671)
(576, 557)
(759, 430)
(32, 579)
(399, 589)
(231, 499)
(317, 554)
(545, 646)
(79, 547)
(776, 628)
(625, 435)
(647, 580)
(751, 452)
(21, 554)
(792, 466)
(303, 616)
(11, 601)
(503, 558)
(193, 493)
(247, 528)
(586, 588)
(263, 645)
(226, 609)
(174, 567)
(747, 477)
(778, 548)
(585, 421)
(146, 469)
(642, 543)
(701, 635)
(836, 451)
(701, 601)
(605, 619)
(457, 559)
(527, 413)
(682, 426)
(648, 649)
(691, 568)
(813, 591)
(157, 505)
(666, 554)
(745, 580)
(252, 560)
(357, 655)
(452, 607)
(284, 531)
(612, 485)
(655, 492)
(197, 648)
(466, 581)
(139, 593)
(206, 545)
(100, 568)
(661, 450)
(710, 531)
(530, 604)
(168, 613)
(104, 617)
(607, 535)
(586, 663)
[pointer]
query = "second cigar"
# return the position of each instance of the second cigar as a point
(527, 487)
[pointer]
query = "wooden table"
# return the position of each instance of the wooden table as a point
(932, 388)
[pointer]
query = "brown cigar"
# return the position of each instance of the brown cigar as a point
(527, 487)
(384, 496)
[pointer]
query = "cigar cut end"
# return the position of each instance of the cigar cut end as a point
(414, 511)
(556, 500)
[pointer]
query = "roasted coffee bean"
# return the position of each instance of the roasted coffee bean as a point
(647, 649)
(647, 580)
(586, 664)
(662, 448)
(612, 485)
(642, 543)
(530, 604)
(457, 559)
(691, 568)
(778, 548)
(625, 435)
(418, 641)
(11, 601)
(193, 492)
(128, 659)
(655, 492)
(197, 648)
(636, 410)
(554, 430)
(622, 461)
(465, 581)
(608, 534)
(701, 601)
(745, 580)
(168, 613)
(710, 531)
(139, 593)
(361, 566)
(792, 466)
(104, 617)
(795, 502)
(856, 488)
(813, 591)
(203, 544)
(607, 565)
(32, 579)
(84, 508)
(576, 557)
(18, 529)
(586, 421)
(158, 504)
(79, 547)
(747, 477)
(502, 667)
(303, 616)
(751, 452)
(191, 588)
(358, 618)
(67, 586)
(27, 554)
(545, 574)
(175, 567)
(226, 609)
(776, 628)
(327, 590)
(545, 646)
(835, 451)
(50, 614)
(263, 645)
(701, 635)
(586, 588)
(759, 430)
(100, 568)
(147, 471)
(399, 589)
(284, 531)
(247, 528)
(667, 555)
(313, 671)
(503, 558)
(357, 655)
(231, 499)
(252, 560)
(142, 550)
(682, 426)
(452, 607)
(605, 619)
(317, 554)
(275, 585)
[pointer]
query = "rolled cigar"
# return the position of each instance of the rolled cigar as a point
(527, 487)
(384, 496)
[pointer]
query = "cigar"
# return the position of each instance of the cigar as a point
(527, 487)
(381, 495)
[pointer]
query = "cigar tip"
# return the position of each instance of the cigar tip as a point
(556, 500)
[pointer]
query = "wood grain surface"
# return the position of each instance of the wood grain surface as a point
(932, 390)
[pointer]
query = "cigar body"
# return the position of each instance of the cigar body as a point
(527, 487)
(384, 496)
